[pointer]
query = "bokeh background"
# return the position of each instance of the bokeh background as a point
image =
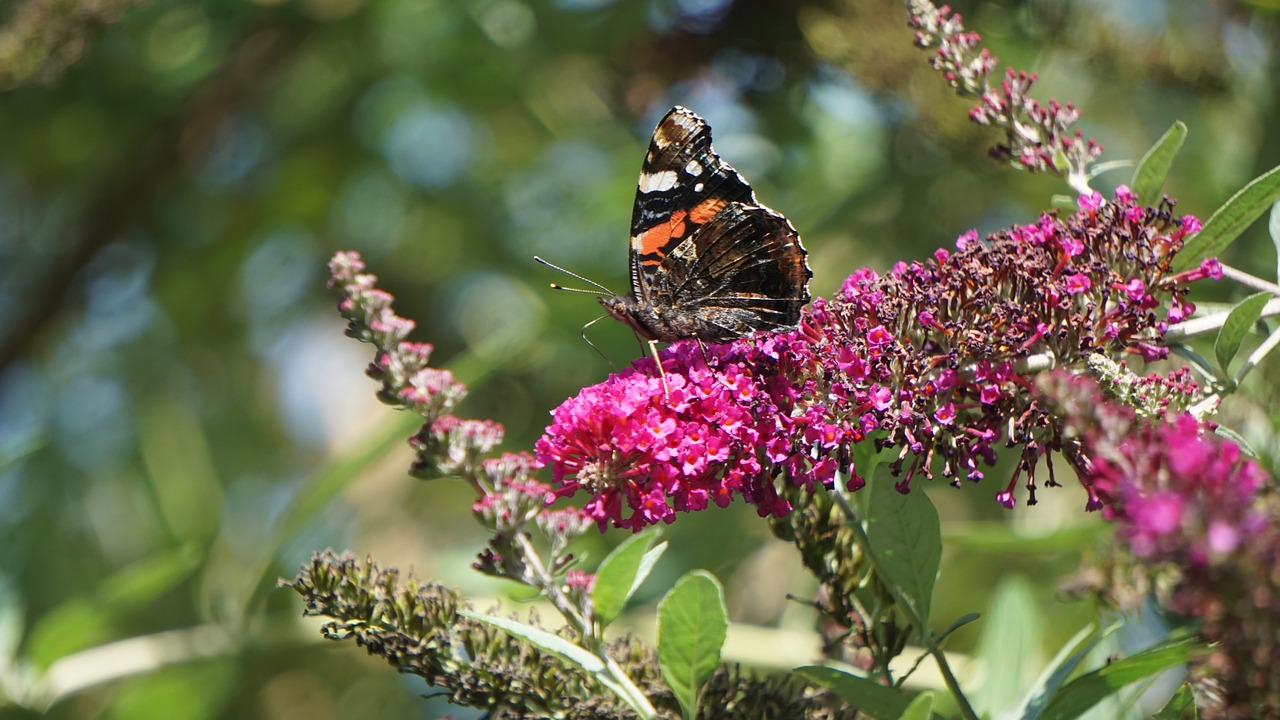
(182, 420)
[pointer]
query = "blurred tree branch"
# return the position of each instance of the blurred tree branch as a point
(126, 192)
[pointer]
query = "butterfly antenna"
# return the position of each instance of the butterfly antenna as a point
(556, 286)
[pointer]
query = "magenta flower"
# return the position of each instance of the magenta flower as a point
(1078, 283)
(923, 359)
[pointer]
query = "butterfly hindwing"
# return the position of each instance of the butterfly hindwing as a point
(744, 272)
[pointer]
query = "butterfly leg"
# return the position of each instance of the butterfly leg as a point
(702, 347)
(653, 350)
(707, 360)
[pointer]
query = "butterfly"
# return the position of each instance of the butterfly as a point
(707, 260)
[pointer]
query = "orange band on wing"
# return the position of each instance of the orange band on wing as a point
(706, 210)
(655, 240)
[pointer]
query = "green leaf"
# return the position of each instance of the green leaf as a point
(1237, 438)
(868, 696)
(1239, 322)
(543, 640)
(1153, 168)
(971, 617)
(1273, 229)
(1061, 667)
(1088, 690)
(1009, 647)
(1182, 706)
(621, 573)
(1106, 167)
(906, 542)
(692, 624)
(1229, 221)
(555, 645)
(920, 709)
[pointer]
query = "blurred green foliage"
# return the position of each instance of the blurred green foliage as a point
(181, 420)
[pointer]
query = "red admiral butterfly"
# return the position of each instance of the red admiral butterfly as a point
(708, 261)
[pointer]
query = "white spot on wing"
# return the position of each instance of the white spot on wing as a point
(693, 168)
(657, 182)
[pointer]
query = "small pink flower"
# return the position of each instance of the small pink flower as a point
(1078, 283)
(1090, 202)
(1210, 266)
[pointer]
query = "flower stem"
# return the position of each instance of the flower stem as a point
(930, 642)
(1252, 281)
(542, 579)
(1211, 323)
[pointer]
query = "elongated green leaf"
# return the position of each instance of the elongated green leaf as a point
(1103, 168)
(969, 618)
(1237, 438)
(1182, 706)
(1009, 647)
(906, 541)
(869, 696)
(1153, 168)
(621, 574)
(1229, 221)
(1239, 322)
(1086, 691)
(1273, 229)
(1062, 666)
(543, 640)
(555, 645)
(920, 709)
(692, 624)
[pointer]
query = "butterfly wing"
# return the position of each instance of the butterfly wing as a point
(682, 186)
(742, 271)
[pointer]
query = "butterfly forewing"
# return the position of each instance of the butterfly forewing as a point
(682, 186)
(708, 261)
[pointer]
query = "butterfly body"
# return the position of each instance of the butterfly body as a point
(708, 261)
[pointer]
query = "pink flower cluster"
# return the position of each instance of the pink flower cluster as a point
(1180, 492)
(926, 359)
(509, 498)
(1037, 137)
(645, 452)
